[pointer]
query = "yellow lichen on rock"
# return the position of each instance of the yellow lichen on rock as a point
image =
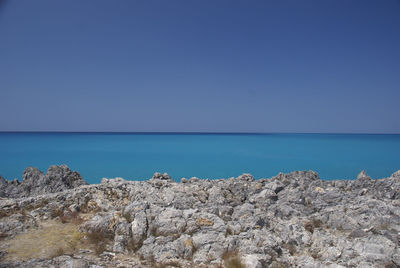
(189, 242)
(204, 222)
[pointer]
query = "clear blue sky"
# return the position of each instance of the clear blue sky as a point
(214, 66)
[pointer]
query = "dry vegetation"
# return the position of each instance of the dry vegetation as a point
(98, 240)
(232, 260)
(50, 240)
(53, 238)
(313, 224)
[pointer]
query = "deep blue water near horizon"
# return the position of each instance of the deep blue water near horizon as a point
(136, 156)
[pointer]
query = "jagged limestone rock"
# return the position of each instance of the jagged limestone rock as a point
(290, 220)
(57, 179)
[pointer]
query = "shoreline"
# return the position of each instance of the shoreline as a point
(38, 172)
(289, 220)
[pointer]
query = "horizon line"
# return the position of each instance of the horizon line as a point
(198, 132)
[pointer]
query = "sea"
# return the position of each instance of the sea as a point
(136, 156)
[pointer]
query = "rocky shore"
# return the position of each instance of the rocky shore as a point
(291, 220)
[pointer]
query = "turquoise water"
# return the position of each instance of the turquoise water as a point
(138, 156)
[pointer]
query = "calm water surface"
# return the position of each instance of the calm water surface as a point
(138, 156)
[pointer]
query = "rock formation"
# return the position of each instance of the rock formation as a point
(57, 179)
(291, 220)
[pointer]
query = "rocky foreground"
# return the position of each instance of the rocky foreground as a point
(291, 220)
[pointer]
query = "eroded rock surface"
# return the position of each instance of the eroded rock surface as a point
(291, 220)
(57, 179)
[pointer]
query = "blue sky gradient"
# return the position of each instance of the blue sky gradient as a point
(203, 66)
